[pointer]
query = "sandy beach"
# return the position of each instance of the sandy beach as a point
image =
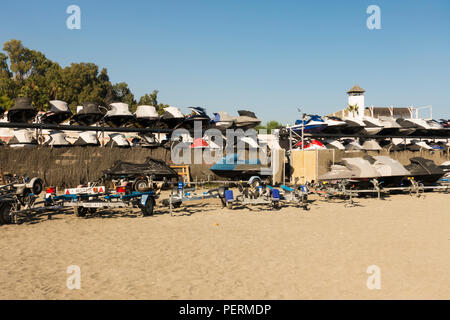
(205, 252)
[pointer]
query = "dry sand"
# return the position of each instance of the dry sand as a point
(241, 254)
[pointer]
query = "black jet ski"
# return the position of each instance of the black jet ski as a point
(198, 115)
(424, 170)
(87, 115)
(22, 111)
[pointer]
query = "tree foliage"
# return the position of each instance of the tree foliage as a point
(26, 72)
(269, 126)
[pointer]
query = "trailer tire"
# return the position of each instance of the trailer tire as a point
(147, 210)
(80, 212)
(141, 185)
(5, 218)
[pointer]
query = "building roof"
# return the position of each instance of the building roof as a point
(356, 89)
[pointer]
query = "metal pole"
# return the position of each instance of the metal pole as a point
(303, 132)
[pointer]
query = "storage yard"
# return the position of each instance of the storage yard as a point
(102, 189)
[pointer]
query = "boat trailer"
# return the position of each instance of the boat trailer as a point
(18, 200)
(251, 192)
(87, 200)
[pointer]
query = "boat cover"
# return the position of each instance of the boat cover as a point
(146, 112)
(360, 167)
(422, 166)
(22, 111)
(150, 167)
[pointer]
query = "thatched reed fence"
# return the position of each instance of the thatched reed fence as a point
(65, 167)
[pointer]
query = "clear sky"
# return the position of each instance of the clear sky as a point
(271, 57)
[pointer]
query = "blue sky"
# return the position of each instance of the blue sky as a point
(269, 56)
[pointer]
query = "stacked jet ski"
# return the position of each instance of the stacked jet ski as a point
(118, 115)
(59, 112)
(146, 116)
(22, 112)
(87, 115)
(359, 172)
(246, 120)
(198, 116)
(57, 139)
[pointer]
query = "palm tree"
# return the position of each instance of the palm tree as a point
(353, 109)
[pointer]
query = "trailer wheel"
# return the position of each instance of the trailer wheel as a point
(5, 218)
(141, 185)
(147, 210)
(80, 211)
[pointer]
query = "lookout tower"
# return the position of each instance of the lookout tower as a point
(356, 97)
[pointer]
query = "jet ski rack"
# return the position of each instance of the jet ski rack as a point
(339, 189)
(371, 136)
(63, 127)
(330, 191)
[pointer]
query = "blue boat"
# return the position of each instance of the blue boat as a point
(233, 167)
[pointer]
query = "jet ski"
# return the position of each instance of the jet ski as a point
(87, 115)
(23, 138)
(422, 127)
(86, 139)
(312, 124)
(117, 140)
(118, 115)
(371, 145)
(390, 126)
(407, 127)
(22, 111)
(57, 139)
(223, 120)
(437, 129)
(198, 115)
(353, 126)
(424, 171)
(334, 125)
(246, 120)
(391, 172)
(334, 144)
(352, 145)
(147, 141)
(171, 118)
(358, 171)
(372, 126)
(146, 116)
(312, 145)
(58, 113)
(157, 169)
